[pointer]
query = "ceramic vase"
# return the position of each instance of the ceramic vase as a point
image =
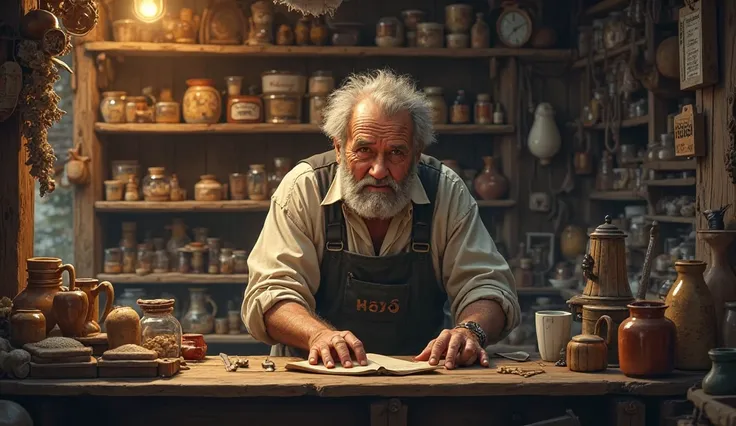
(721, 379)
(544, 137)
(691, 309)
(490, 184)
(197, 319)
(646, 341)
(202, 103)
(719, 276)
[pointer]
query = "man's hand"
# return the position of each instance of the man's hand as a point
(459, 347)
(328, 344)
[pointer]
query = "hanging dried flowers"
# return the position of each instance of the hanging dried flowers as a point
(311, 7)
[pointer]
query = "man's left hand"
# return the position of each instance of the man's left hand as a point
(459, 346)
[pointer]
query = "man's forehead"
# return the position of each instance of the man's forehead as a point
(366, 109)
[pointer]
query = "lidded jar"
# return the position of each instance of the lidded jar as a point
(257, 182)
(483, 109)
(437, 104)
(160, 330)
(389, 32)
(156, 185)
(112, 107)
(208, 189)
(202, 103)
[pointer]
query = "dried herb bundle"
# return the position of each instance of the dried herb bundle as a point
(311, 7)
(39, 110)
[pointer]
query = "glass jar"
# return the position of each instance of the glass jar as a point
(144, 263)
(638, 235)
(161, 261)
(123, 170)
(316, 105)
(604, 178)
(240, 262)
(112, 107)
(321, 83)
(200, 235)
(614, 33)
(667, 147)
(197, 265)
(160, 330)
(598, 44)
(430, 34)
(389, 32)
(626, 154)
(437, 104)
(137, 110)
(113, 261)
(226, 261)
(128, 260)
(460, 112)
(156, 185)
(129, 235)
(213, 255)
(257, 182)
(184, 261)
(281, 165)
(483, 109)
(585, 40)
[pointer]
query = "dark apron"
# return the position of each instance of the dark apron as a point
(393, 304)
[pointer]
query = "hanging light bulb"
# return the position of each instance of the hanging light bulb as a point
(149, 10)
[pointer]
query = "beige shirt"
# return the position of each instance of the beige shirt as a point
(285, 261)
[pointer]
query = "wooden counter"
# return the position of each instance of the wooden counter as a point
(278, 398)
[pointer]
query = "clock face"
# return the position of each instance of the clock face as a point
(514, 28)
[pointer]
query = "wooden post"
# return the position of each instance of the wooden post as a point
(16, 183)
(509, 80)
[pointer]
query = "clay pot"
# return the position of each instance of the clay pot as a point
(691, 309)
(721, 379)
(208, 189)
(27, 326)
(44, 282)
(70, 308)
(123, 326)
(572, 242)
(646, 341)
(92, 287)
(490, 184)
(719, 276)
(193, 347)
(589, 352)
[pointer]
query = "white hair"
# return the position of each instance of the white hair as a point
(392, 93)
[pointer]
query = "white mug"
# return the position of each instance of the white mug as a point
(553, 333)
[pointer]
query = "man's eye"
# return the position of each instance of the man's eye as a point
(363, 150)
(397, 152)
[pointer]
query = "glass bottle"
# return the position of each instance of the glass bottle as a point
(437, 104)
(113, 261)
(483, 109)
(604, 179)
(240, 262)
(480, 34)
(257, 182)
(156, 185)
(226, 261)
(160, 330)
(389, 32)
(129, 260)
(281, 165)
(213, 255)
(184, 263)
(161, 261)
(498, 117)
(197, 249)
(144, 263)
(460, 112)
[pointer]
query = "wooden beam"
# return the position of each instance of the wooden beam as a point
(509, 98)
(16, 183)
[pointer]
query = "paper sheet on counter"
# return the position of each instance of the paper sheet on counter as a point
(377, 365)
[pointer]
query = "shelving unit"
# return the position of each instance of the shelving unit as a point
(174, 278)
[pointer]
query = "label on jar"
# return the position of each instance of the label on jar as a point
(283, 108)
(483, 113)
(245, 111)
(460, 114)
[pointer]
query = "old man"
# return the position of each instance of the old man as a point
(364, 245)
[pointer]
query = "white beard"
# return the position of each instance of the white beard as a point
(374, 205)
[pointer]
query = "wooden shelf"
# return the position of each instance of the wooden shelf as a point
(174, 278)
(603, 7)
(175, 49)
(674, 165)
(671, 182)
(231, 338)
(617, 196)
(627, 123)
(582, 63)
(672, 219)
(232, 128)
(182, 206)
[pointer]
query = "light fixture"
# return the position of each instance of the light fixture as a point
(149, 10)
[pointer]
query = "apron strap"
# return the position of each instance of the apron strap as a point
(421, 233)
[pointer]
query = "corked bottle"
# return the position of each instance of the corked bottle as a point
(460, 111)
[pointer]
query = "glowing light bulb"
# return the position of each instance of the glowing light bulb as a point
(149, 10)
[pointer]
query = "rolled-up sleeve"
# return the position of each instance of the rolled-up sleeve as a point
(283, 264)
(473, 269)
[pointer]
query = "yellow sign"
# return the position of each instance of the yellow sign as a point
(688, 128)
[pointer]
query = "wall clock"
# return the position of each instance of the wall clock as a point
(514, 26)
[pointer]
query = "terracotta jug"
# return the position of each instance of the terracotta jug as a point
(44, 282)
(646, 341)
(719, 276)
(490, 184)
(93, 287)
(70, 309)
(691, 309)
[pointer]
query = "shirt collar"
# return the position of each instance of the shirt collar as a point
(334, 194)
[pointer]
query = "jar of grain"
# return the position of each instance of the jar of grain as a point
(113, 261)
(257, 182)
(112, 107)
(430, 34)
(160, 330)
(208, 189)
(156, 185)
(114, 190)
(483, 109)
(389, 32)
(240, 262)
(226, 261)
(437, 104)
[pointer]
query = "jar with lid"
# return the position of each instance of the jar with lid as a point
(598, 44)
(245, 108)
(240, 262)
(460, 112)
(483, 109)
(614, 32)
(197, 265)
(438, 107)
(317, 103)
(213, 255)
(226, 261)
(137, 110)
(208, 189)
(184, 261)
(113, 260)
(604, 178)
(156, 185)
(430, 34)
(389, 32)
(144, 263)
(638, 235)
(129, 235)
(112, 107)
(160, 261)
(129, 260)
(281, 165)
(257, 182)
(321, 83)
(160, 330)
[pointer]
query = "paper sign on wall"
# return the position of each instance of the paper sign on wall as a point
(689, 135)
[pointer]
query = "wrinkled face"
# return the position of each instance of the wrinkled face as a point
(377, 163)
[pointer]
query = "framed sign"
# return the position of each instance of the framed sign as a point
(697, 34)
(689, 134)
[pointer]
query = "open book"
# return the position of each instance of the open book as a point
(377, 364)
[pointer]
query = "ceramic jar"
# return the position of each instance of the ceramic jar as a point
(168, 112)
(692, 310)
(238, 186)
(27, 326)
(437, 104)
(123, 327)
(44, 282)
(321, 83)
(483, 110)
(156, 186)
(114, 190)
(208, 189)
(193, 347)
(721, 379)
(411, 18)
(544, 137)
(137, 110)
(112, 107)
(490, 184)
(729, 326)
(646, 341)
(125, 30)
(389, 32)
(202, 103)
(456, 41)
(589, 352)
(430, 34)
(186, 27)
(480, 33)
(458, 18)
(197, 319)
(283, 108)
(257, 182)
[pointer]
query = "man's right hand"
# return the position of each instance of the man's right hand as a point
(331, 344)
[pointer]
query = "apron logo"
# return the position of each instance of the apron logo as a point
(377, 306)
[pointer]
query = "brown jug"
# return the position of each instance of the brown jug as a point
(70, 309)
(44, 282)
(589, 352)
(646, 341)
(92, 287)
(490, 184)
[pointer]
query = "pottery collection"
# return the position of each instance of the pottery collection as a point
(44, 283)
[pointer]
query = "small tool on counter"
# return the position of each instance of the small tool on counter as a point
(519, 356)
(268, 365)
(233, 365)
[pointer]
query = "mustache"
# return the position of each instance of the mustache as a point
(371, 181)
